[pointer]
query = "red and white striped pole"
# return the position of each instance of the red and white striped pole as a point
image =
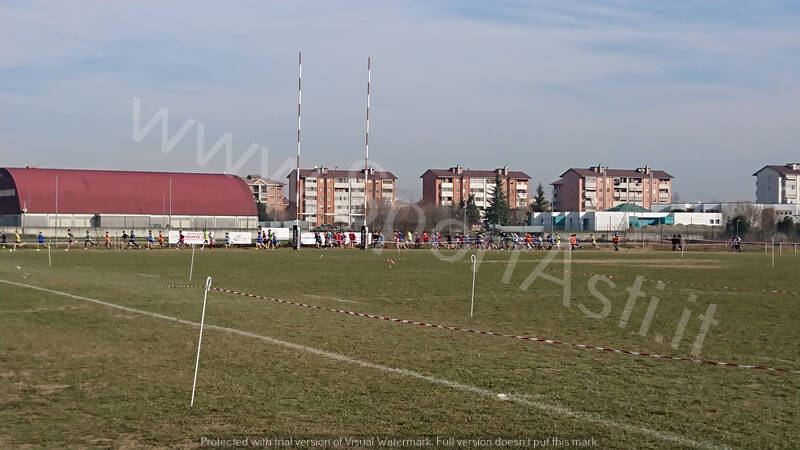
(366, 143)
(299, 116)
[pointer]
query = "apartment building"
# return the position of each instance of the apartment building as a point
(778, 184)
(267, 191)
(599, 188)
(337, 197)
(442, 187)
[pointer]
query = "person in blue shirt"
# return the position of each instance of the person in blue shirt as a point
(150, 239)
(132, 241)
(259, 241)
(40, 242)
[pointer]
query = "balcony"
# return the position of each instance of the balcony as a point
(446, 185)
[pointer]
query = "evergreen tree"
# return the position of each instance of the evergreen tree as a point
(498, 212)
(786, 226)
(540, 202)
(262, 211)
(473, 213)
(737, 225)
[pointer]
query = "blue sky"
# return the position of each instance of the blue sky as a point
(708, 91)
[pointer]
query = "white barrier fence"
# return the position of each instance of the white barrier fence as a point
(196, 238)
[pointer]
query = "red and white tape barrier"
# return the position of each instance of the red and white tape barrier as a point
(490, 333)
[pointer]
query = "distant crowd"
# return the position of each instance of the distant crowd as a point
(266, 239)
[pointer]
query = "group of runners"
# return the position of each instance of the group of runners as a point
(267, 239)
(126, 240)
(489, 241)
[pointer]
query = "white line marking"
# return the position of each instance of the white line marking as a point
(555, 409)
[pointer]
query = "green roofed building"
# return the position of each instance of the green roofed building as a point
(629, 207)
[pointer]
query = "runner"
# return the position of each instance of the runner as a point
(132, 241)
(615, 241)
(3, 239)
(737, 244)
(160, 239)
(259, 240)
(87, 240)
(40, 242)
(227, 240)
(150, 239)
(594, 243)
(108, 240)
(70, 239)
(181, 240)
(17, 241)
(205, 240)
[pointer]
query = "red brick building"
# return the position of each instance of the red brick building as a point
(599, 188)
(336, 197)
(267, 191)
(448, 187)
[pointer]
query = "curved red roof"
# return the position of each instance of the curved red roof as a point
(120, 192)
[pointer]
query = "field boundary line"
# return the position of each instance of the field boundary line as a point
(546, 407)
(492, 333)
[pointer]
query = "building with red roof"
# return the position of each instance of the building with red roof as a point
(599, 188)
(337, 197)
(778, 184)
(442, 187)
(33, 197)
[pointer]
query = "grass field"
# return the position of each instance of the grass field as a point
(75, 373)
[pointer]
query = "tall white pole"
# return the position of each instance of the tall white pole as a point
(366, 143)
(472, 302)
(200, 339)
(773, 252)
(299, 116)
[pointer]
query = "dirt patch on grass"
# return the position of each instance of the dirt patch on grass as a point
(38, 310)
(49, 389)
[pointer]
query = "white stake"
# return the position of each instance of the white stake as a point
(773, 253)
(191, 265)
(472, 302)
(49, 259)
(200, 339)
